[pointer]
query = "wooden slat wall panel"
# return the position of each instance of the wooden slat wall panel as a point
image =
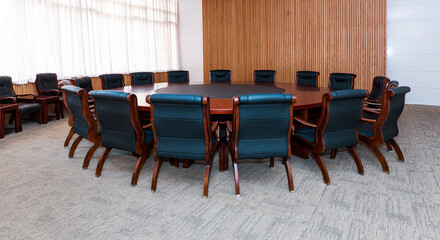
(293, 35)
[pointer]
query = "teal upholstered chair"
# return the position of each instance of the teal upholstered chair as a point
(81, 120)
(182, 130)
(261, 128)
(379, 86)
(83, 82)
(383, 129)
(117, 113)
(220, 76)
(178, 76)
(264, 76)
(336, 128)
(307, 78)
(47, 85)
(342, 81)
(140, 78)
(110, 81)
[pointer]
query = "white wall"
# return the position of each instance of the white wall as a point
(191, 38)
(413, 48)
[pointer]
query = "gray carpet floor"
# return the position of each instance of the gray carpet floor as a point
(46, 195)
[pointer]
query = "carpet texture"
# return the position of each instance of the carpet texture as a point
(46, 195)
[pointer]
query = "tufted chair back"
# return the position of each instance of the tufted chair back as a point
(77, 102)
(264, 76)
(220, 75)
(379, 86)
(115, 112)
(340, 115)
(307, 78)
(181, 126)
(341, 81)
(83, 82)
(110, 81)
(140, 78)
(178, 76)
(47, 82)
(7, 94)
(262, 125)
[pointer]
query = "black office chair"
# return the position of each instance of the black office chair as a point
(110, 81)
(261, 128)
(178, 76)
(342, 81)
(336, 128)
(307, 78)
(47, 85)
(82, 121)
(264, 76)
(379, 86)
(141, 78)
(383, 129)
(220, 75)
(26, 102)
(117, 113)
(182, 130)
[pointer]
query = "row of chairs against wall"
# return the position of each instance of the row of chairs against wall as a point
(346, 120)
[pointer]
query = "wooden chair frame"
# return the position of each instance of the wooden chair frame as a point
(210, 147)
(318, 146)
(232, 136)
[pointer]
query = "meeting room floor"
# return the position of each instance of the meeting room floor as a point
(46, 195)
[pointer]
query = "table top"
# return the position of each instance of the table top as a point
(221, 93)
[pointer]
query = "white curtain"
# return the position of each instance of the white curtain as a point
(86, 37)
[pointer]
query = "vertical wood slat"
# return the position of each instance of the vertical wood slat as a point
(288, 36)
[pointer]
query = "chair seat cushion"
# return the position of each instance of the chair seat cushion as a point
(307, 133)
(365, 129)
(29, 108)
(149, 136)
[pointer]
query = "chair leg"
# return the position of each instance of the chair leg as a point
(57, 109)
(226, 157)
(74, 146)
(137, 170)
(61, 104)
(389, 146)
(221, 157)
(89, 155)
(357, 159)
(322, 166)
(207, 175)
(156, 174)
(272, 161)
(381, 158)
(2, 125)
(69, 137)
(333, 153)
(286, 162)
(398, 150)
(101, 162)
(236, 178)
(40, 117)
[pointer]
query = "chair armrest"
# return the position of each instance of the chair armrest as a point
(372, 110)
(214, 126)
(12, 99)
(304, 122)
(147, 126)
(367, 120)
(51, 91)
(229, 126)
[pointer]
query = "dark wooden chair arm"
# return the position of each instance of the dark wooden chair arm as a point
(371, 110)
(214, 126)
(367, 120)
(51, 91)
(147, 126)
(12, 99)
(229, 126)
(303, 122)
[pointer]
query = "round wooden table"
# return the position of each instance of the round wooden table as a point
(221, 103)
(221, 94)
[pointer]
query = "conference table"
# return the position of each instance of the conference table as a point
(220, 94)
